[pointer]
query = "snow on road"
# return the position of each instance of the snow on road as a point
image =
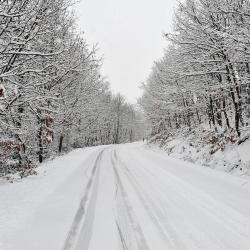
(125, 197)
(37, 212)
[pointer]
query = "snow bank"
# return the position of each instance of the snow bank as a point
(196, 147)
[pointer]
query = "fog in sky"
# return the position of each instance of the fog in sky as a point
(129, 34)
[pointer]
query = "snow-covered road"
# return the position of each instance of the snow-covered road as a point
(133, 197)
(143, 200)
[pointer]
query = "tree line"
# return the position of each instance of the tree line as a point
(52, 95)
(204, 75)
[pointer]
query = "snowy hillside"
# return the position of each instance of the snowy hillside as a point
(200, 147)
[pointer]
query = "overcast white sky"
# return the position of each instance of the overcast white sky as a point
(129, 34)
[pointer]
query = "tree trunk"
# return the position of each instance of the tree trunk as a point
(60, 143)
(225, 112)
(40, 145)
(211, 112)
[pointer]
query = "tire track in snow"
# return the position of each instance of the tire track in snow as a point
(223, 216)
(168, 235)
(221, 213)
(123, 242)
(85, 214)
(140, 238)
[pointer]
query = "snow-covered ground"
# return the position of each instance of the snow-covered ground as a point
(37, 212)
(197, 147)
(125, 197)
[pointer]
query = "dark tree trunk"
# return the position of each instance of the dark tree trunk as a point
(40, 145)
(60, 143)
(225, 112)
(236, 106)
(211, 112)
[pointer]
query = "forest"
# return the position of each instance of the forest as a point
(83, 168)
(52, 95)
(54, 98)
(202, 83)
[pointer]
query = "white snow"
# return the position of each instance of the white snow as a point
(192, 148)
(125, 197)
(37, 212)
